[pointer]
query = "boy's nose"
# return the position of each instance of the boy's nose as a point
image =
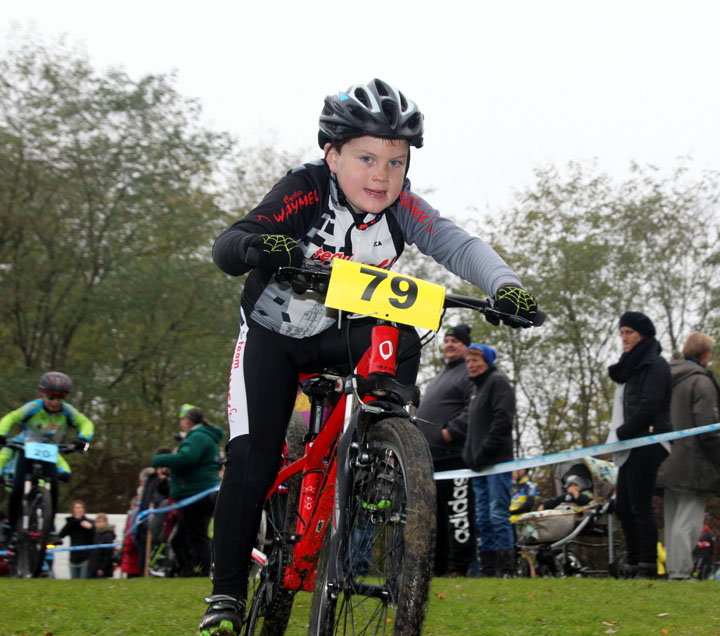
(380, 174)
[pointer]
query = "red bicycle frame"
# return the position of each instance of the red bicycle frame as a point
(318, 465)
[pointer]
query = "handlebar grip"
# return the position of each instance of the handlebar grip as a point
(539, 318)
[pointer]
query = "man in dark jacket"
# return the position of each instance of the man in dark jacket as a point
(193, 468)
(489, 441)
(442, 417)
(691, 474)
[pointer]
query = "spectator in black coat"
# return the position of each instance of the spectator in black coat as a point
(489, 441)
(101, 560)
(81, 531)
(641, 407)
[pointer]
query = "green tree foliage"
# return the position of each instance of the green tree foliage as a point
(109, 204)
(590, 250)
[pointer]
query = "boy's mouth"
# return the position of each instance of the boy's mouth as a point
(376, 194)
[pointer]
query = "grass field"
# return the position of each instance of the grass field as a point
(136, 607)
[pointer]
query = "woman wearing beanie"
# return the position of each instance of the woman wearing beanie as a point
(641, 407)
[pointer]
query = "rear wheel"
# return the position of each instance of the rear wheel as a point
(32, 538)
(385, 557)
(271, 605)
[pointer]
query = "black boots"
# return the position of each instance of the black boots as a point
(505, 564)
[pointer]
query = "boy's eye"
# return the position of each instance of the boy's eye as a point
(365, 159)
(395, 163)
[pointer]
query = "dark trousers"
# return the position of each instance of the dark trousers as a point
(271, 365)
(455, 545)
(634, 505)
(190, 542)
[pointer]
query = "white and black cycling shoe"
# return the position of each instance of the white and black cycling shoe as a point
(224, 616)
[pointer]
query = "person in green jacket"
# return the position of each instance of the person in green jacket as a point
(194, 468)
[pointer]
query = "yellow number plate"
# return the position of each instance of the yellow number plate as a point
(363, 289)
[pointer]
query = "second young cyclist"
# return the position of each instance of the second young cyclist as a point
(45, 420)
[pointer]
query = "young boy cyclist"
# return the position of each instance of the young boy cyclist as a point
(43, 420)
(355, 203)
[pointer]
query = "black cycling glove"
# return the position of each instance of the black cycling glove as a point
(268, 252)
(515, 301)
(80, 444)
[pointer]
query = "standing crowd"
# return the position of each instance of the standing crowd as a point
(467, 412)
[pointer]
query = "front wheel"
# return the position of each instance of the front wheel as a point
(384, 558)
(33, 536)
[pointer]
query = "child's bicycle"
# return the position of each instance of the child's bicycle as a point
(351, 515)
(30, 542)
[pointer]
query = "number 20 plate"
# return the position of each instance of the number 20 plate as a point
(363, 289)
(43, 452)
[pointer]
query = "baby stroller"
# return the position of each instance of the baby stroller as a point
(557, 542)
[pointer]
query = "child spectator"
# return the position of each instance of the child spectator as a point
(129, 562)
(522, 494)
(101, 559)
(574, 494)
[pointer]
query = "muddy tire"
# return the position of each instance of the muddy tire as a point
(385, 559)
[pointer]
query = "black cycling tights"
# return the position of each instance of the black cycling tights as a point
(267, 387)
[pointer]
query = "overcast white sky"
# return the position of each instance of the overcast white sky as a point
(504, 86)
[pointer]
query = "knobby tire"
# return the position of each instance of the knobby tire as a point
(270, 604)
(31, 545)
(386, 556)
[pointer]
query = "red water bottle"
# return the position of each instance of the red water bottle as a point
(383, 349)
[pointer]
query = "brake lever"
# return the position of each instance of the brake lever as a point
(517, 320)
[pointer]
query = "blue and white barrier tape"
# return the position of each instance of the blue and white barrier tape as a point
(138, 519)
(564, 456)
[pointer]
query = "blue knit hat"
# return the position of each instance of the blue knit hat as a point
(487, 352)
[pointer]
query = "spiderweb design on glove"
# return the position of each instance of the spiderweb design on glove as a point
(519, 298)
(279, 244)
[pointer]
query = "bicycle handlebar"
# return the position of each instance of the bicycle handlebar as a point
(63, 448)
(316, 278)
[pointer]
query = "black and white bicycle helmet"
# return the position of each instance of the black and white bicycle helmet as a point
(375, 109)
(55, 383)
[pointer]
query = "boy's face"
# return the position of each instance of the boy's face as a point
(370, 171)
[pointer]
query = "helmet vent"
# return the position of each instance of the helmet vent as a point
(359, 114)
(381, 88)
(391, 112)
(362, 97)
(414, 122)
(403, 103)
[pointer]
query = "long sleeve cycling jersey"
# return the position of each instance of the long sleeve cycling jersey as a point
(39, 425)
(307, 205)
